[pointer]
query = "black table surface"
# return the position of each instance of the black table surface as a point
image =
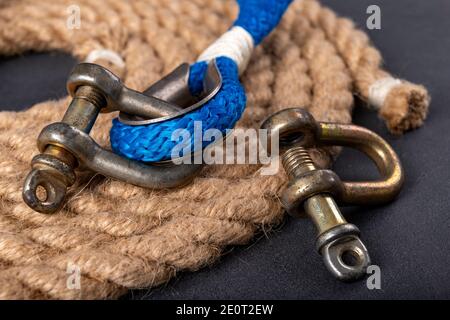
(408, 239)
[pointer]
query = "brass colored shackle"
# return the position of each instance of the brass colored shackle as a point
(315, 191)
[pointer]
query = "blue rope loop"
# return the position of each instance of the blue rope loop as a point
(153, 142)
(260, 17)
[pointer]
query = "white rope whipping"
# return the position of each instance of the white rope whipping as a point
(236, 44)
(379, 90)
(107, 55)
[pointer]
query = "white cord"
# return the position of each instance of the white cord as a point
(379, 90)
(236, 44)
(106, 54)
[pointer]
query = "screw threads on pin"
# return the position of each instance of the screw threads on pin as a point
(84, 108)
(296, 161)
(92, 95)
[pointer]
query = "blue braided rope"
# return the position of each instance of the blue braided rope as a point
(260, 17)
(153, 142)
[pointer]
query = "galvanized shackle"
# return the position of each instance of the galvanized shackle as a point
(65, 145)
(315, 191)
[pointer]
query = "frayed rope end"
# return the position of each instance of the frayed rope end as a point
(405, 107)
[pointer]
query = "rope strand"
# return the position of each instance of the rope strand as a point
(403, 106)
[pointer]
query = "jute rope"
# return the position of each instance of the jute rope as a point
(121, 236)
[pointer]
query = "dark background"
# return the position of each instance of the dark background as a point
(408, 239)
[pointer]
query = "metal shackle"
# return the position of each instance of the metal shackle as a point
(316, 192)
(65, 145)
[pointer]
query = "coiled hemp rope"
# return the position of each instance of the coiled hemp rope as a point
(121, 236)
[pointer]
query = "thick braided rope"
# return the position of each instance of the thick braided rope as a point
(403, 105)
(154, 142)
(121, 236)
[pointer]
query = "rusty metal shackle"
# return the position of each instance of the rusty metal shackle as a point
(65, 145)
